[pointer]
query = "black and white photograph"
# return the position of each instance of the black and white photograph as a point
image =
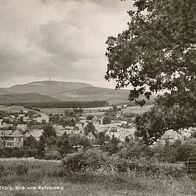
(97, 97)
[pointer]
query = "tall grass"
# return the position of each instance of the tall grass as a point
(39, 173)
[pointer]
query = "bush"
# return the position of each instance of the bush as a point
(119, 164)
(95, 159)
(74, 162)
(21, 170)
(3, 171)
(174, 152)
(136, 150)
(91, 160)
(53, 155)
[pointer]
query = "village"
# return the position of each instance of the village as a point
(17, 126)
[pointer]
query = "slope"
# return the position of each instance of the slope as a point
(25, 98)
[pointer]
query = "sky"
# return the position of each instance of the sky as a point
(58, 39)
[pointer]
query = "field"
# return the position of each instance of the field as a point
(130, 109)
(11, 108)
(96, 110)
(47, 178)
(62, 110)
(137, 109)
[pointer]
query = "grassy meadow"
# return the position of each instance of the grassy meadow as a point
(137, 109)
(26, 174)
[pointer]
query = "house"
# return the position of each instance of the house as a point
(113, 129)
(42, 117)
(96, 147)
(170, 136)
(78, 148)
(90, 136)
(26, 119)
(21, 115)
(121, 133)
(22, 127)
(60, 133)
(82, 118)
(78, 128)
(5, 125)
(60, 130)
(102, 128)
(11, 139)
(69, 130)
(82, 121)
(97, 120)
(36, 133)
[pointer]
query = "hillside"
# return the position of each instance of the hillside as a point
(49, 88)
(112, 96)
(3, 91)
(62, 91)
(25, 98)
(67, 91)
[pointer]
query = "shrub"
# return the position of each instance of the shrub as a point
(95, 159)
(3, 171)
(21, 170)
(53, 155)
(174, 152)
(119, 164)
(91, 160)
(136, 150)
(74, 162)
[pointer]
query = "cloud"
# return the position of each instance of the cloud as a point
(63, 39)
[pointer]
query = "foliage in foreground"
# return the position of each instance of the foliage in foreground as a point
(157, 50)
(157, 53)
(92, 160)
(88, 182)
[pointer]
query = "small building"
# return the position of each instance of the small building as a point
(90, 136)
(26, 119)
(78, 148)
(113, 129)
(22, 127)
(36, 133)
(21, 115)
(11, 139)
(42, 117)
(170, 136)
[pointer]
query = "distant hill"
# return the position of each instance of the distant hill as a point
(66, 91)
(25, 98)
(112, 96)
(3, 91)
(49, 88)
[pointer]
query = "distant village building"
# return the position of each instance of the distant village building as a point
(1, 121)
(22, 127)
(36, 133)
(21, 115)
(170, 136)
(121, 133)
(78, 148)
(42, 117)
(26, 119)
(60, 130)
(90, 136)
(11, 139)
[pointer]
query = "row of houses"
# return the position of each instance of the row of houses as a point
(23, 118)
